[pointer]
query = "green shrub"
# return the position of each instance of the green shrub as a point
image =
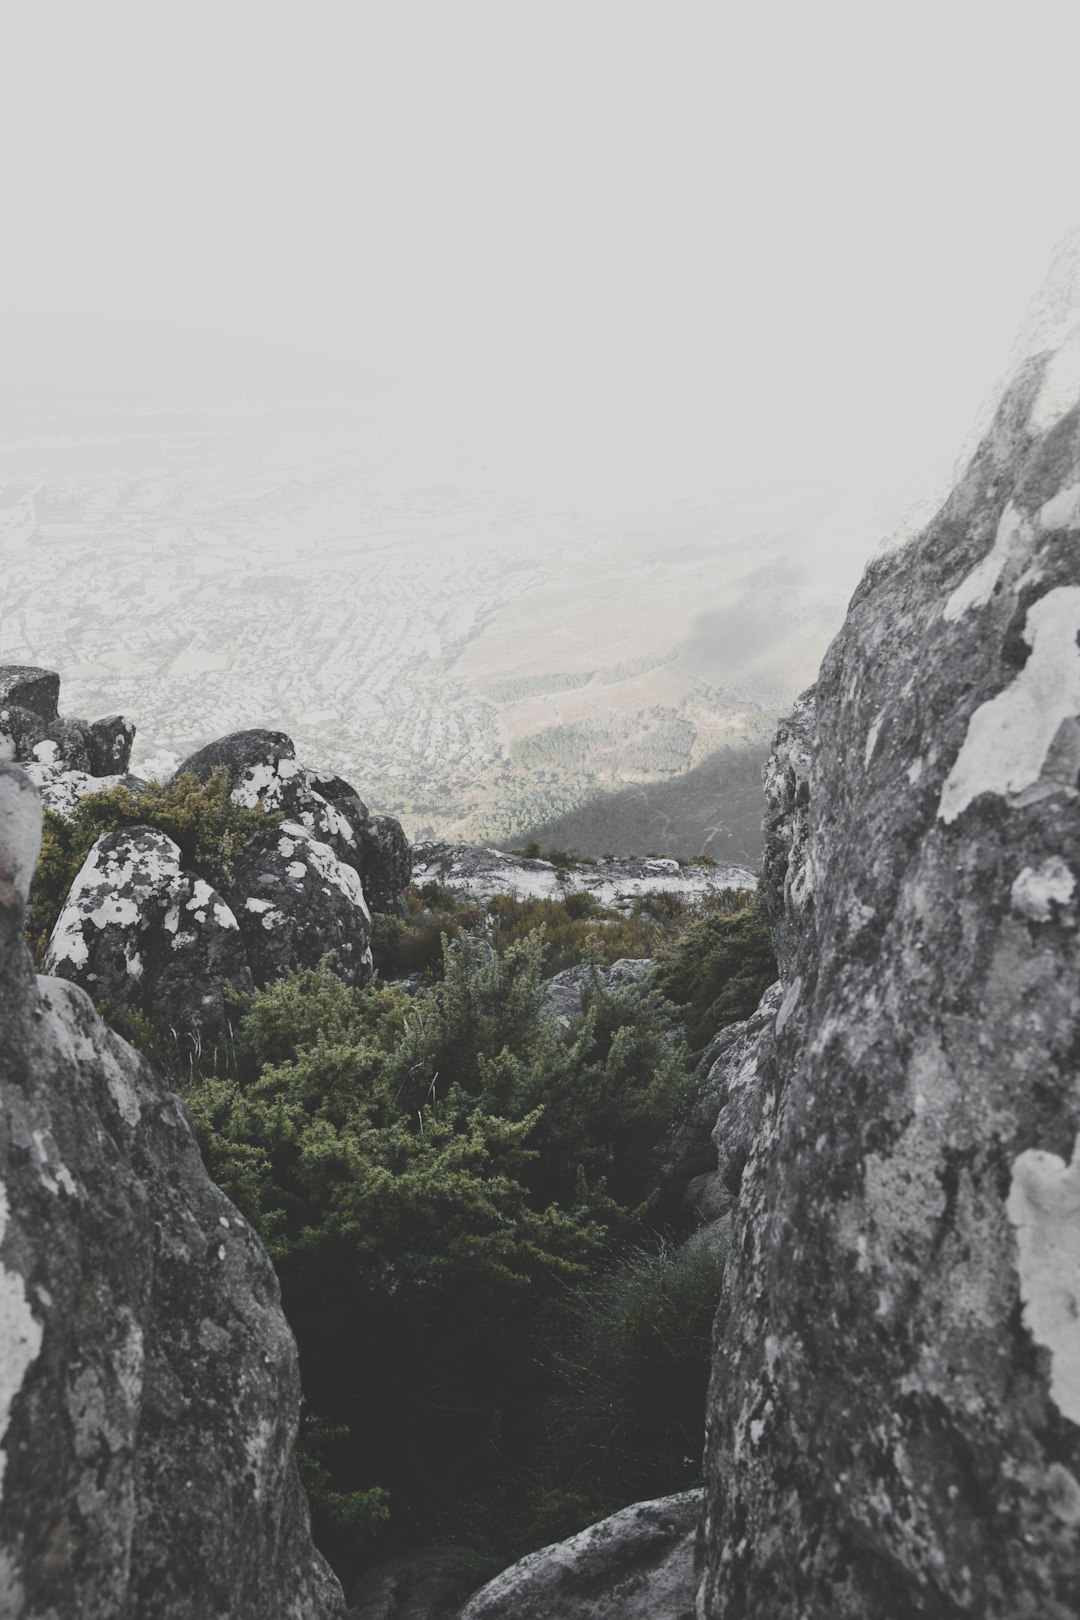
(629, 1352)
(717, 968)
(426, 1171)
(201, 817)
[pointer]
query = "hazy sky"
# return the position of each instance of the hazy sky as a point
(668, 244)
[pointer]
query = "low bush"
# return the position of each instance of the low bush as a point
(716, 969)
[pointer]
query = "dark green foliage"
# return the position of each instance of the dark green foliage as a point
(572, 925)
(632, 1367)
(425, 1171)
(629, 1354)
(719, 966)
(459, 1198)
(349, 1520)
(200, 817)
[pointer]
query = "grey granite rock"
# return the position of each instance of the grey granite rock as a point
(703, 1151)
(295, 901)
(637, 1565)
(238, 752)
(148, 1382)
(565, 992)
(30, 688)
(385, 864)
(36, 734)
(894, 1422)
(139, 931)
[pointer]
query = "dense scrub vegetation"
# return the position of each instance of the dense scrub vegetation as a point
(501, 1339)
(201, 817)
(498, 1342)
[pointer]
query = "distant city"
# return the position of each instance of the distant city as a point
(480, 666)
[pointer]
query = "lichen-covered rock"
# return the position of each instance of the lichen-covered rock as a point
(295, 901)
(565, 992)
(385, 863)
(139, 931)
(287, 788)
(637, 1565)
(36, 735)
(238, 752)
(263, 770)
(61, 790)
(148, 1381)
(109, 745)
(28, 688)
(894, 1424)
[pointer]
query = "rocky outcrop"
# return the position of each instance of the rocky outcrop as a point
(148, 1382)
(66, 758)
(138, 931)
(263, 770)
(484, 873)
(894, 1423)
(637, 1565)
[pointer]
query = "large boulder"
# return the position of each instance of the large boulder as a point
(288, 789)
(149, 1391)
(137, 930)
(295, 901)
(237, 753)
(385, 863)
(637, 1565)
(894, 1421)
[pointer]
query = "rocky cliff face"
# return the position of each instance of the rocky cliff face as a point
(894, 1425)
(148, 1382)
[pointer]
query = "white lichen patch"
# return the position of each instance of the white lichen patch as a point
(1037, 889)
(1063, 1494)
(1044, 1207)
(1061, 511)
(1009, 737)
(54, 1174)
(1013, 535)
(1060, 387)
(20, 1337)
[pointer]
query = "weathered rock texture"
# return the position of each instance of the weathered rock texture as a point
(637, 1565)
(138, 931)
(66, 758)
(263, 770)
(148, 1381)
(894, 1425)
